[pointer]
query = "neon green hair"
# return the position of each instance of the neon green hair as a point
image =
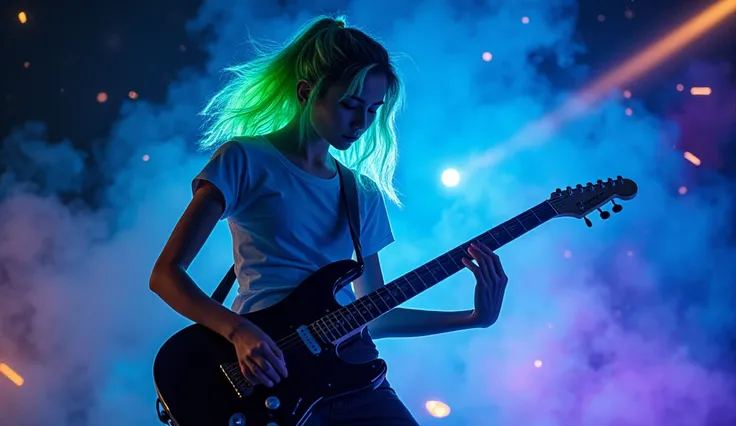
(260, 98)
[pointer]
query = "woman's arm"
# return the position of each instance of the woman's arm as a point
(169, 279)
(401, 322)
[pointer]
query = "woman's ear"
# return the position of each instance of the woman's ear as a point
(303, 89)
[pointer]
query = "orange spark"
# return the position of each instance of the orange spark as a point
(11, 374)
(700, 91)
(22, 17)
(692, 158)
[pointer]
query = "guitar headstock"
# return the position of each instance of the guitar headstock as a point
(578, 202)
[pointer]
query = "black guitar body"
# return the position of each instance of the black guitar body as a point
(198, 379)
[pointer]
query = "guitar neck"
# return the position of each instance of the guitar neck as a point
(398, 291)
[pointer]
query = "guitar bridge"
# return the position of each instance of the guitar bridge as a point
(240, 384)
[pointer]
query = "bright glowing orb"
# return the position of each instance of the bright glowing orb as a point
(450, 177)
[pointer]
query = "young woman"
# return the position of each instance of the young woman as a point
(278, 128)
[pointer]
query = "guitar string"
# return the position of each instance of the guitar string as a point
(293, 340)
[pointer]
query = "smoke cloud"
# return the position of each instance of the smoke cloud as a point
(631, 321)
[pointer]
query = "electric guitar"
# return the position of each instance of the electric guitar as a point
(196, 371)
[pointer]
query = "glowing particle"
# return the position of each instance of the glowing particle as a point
(680, 87)
(627, 94)
(132, 95)
(538, 363)
(630, 253)
(700, 91)
(629, 14)
(601, 18)
(567, 254)
(682, 190)
(525, 20)
(11, 374)
(437, 409)
(549, 325)
(691, 158)
(102, 97)
(487, 56)
(22, 17)
(26, 64)
(182, 48)
(450, 177)
(145, 157)
(629, 112)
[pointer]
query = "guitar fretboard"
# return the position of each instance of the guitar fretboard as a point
(371, 306)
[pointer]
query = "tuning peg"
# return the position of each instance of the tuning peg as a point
(616, 207)
(588, 222)
(604, 214)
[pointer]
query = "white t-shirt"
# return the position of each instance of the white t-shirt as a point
(286, 223)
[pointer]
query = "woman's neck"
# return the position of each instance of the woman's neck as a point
(312, 155)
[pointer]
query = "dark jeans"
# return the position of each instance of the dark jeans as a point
(378, 407)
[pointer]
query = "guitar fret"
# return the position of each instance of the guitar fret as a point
(378, 293)
(330, 329)
(420, 279)
(321, 331)
(402, 291)
(495, 240)
(357, 309)
(347, 329)
(350, 317)
(430, 273)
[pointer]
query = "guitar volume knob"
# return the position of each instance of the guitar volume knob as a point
(272, 403)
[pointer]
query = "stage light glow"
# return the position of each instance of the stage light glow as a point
(22, 17)
(102, 97)
(487, 56)
(538, 363)
(437, 409)
(450, 177)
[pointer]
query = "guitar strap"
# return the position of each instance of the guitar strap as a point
(349, 196)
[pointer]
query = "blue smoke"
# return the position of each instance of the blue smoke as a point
(630, 319)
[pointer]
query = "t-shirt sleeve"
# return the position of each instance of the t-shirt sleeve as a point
(375, 232)
(227, 170)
